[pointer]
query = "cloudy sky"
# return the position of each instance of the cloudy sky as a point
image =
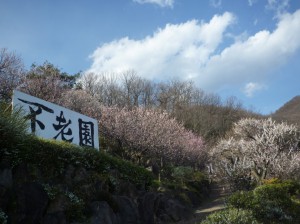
(246, 48)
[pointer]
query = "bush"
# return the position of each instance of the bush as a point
(273, 202)
(232, 216)
(241, 200)
(13, 126)
(182, 173)
(270, 203)
(53, 157)
(291, 186)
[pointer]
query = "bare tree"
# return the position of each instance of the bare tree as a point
(11, 73)
(203, 113)
(163, 96)
(105, 87)
(91, 83)
(133, 88)
(148, 98)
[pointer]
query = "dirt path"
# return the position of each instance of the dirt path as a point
(215, 202)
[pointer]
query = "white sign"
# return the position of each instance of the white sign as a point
(51, 121)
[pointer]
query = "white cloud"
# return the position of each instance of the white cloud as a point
(278, 6)
(255, 57)
(215, 3)
(175, 50)
(161, 3)
(193, 50)
(252, 87)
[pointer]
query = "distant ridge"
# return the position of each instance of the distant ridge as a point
(289, 112)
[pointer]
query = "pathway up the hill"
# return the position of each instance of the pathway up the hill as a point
(215, 202)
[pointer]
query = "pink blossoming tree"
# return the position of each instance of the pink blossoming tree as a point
(150, 135)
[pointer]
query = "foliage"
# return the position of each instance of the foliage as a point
(232, 216)
(13, 126)
(182, 173)
(258, 149)
(274, 202)
(273, 180)
(270, 203)
(188, 177)
(189, 186)
(241, 199)
(53, 157)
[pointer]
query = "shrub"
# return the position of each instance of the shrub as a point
(273, 202)
(270, 203)
(241, 199)
(52, 157)
(291, 186)
(232, 216)
(182, 173)
(13, 126)
(187, 178)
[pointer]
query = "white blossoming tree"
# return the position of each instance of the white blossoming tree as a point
(258, 149)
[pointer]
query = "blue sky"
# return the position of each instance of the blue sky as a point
(246, 48)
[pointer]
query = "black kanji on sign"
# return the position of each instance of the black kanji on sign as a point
(86, 133)
(61, 126)
(33, 114)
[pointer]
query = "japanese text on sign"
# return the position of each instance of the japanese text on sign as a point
(51, 121)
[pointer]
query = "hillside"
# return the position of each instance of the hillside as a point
(289, 112)
(47, 181)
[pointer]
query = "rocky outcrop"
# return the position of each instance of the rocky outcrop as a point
(103, 213)
(32, 202)
(81, 196)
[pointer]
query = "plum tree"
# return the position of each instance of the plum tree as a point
(258, 149)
